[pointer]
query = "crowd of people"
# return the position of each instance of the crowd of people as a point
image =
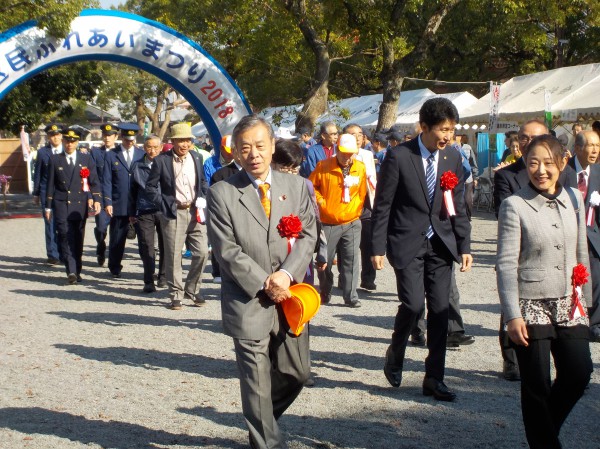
(354, 200)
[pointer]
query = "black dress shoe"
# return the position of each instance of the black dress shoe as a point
(418, 340)
(354, 304)
(72, 278)
(456, 339)
(392, 374)
(368, 286)
(437, 389)
(161, 283)
(149, 288)
(510, 371)
(52, 261)
(79, 279)
(101, 260)
(325, 299)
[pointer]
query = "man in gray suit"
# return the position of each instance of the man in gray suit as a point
(257, 269)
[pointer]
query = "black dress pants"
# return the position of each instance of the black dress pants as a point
(429, 272)
(545, 405)
(146, 224)
(71, 234)
(594, 311)
(116, 245)
(367, 271)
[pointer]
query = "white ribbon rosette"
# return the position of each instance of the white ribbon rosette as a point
(594, 202)
(349, 181)
(200, 206)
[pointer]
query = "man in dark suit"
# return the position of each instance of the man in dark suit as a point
(257, 268)
(508, 180)
(422, 236)
(40, 181)
(115, 187)
(72, 188)
(178, 189)
(587, 172)
(109, 137)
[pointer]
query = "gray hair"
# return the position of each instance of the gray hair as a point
(247, 122)
(325, 125)
(152, 137)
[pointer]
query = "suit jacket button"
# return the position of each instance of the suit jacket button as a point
(68, 191)
(69, 202)
(559, 246)
(559, 268)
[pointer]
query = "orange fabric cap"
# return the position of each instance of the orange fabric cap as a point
(301, 307)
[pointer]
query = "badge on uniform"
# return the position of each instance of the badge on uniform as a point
(60, 168)
(116, 163)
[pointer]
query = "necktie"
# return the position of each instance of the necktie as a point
(430, 178)
(70, 161)
(264, 198)
(127, 159)
(581, 184)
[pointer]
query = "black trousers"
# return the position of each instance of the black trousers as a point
(102, 220)
(367, 272)
(469, 199)
(71, 234)
(116, 244)
(429, 272)
(545, 405)
(145, 226)
(455, 321)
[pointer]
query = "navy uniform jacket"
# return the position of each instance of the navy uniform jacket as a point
(116, 179)
(98, 154)
(40, 179)
(65, 195)
(160, 186)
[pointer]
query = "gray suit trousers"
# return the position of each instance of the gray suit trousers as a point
(272, 373)
(346, 240)
(175, 233)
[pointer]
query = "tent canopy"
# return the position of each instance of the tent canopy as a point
(573, 96)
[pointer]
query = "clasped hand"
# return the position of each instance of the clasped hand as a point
(277, 286)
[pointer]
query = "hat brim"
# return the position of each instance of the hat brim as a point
(109, 133)
(183, 137)
(347, 150)
(71, 139)
(128, 137)
(301, 307)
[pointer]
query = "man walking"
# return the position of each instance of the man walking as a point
(40, 182)
(340, 185)
(109, 137)
(323, 150)
(257, 266)
(419, 220)
(177, 187)
(72, 188)
(115, 186)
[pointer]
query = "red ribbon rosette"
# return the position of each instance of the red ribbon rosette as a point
(85, 173)
(579, 277)
(448, 181)
(290, 228)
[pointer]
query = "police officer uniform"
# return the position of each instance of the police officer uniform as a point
(102, 219)
(116, 181)
(40, 180)
(67, 201)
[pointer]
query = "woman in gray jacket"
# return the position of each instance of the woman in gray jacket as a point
(541, 238)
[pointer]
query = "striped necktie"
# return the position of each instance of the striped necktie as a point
(430, 178)
(264, 198)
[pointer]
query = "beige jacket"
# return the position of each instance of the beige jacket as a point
(539, 243)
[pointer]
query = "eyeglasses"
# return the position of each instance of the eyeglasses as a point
(525, 138)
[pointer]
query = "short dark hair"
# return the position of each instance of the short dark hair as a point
(596, 126)
(509, 134)
(464, 139)
(437, 110)
(287, 153)
(551, 143)
(250, 121)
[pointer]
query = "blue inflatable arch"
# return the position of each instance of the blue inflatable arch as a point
(103, 35)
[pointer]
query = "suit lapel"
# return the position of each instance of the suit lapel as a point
(169, 167)
(277, 202)
(249, 199)
(417, 160)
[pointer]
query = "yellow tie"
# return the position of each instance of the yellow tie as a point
(264, 198)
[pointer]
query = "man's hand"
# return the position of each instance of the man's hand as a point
(109, 210)
(321, 266)
(36, 200)
(377, 262)
(467, 262)
(48, 214)
(97, 207)
(517, 331)
(277, 286)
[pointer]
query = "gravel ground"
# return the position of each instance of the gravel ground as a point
(102, 365)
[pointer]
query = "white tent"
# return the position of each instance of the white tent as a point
(363, 110)
(573, 95)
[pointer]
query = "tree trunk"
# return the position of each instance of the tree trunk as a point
(315, 102)
(391, 79)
